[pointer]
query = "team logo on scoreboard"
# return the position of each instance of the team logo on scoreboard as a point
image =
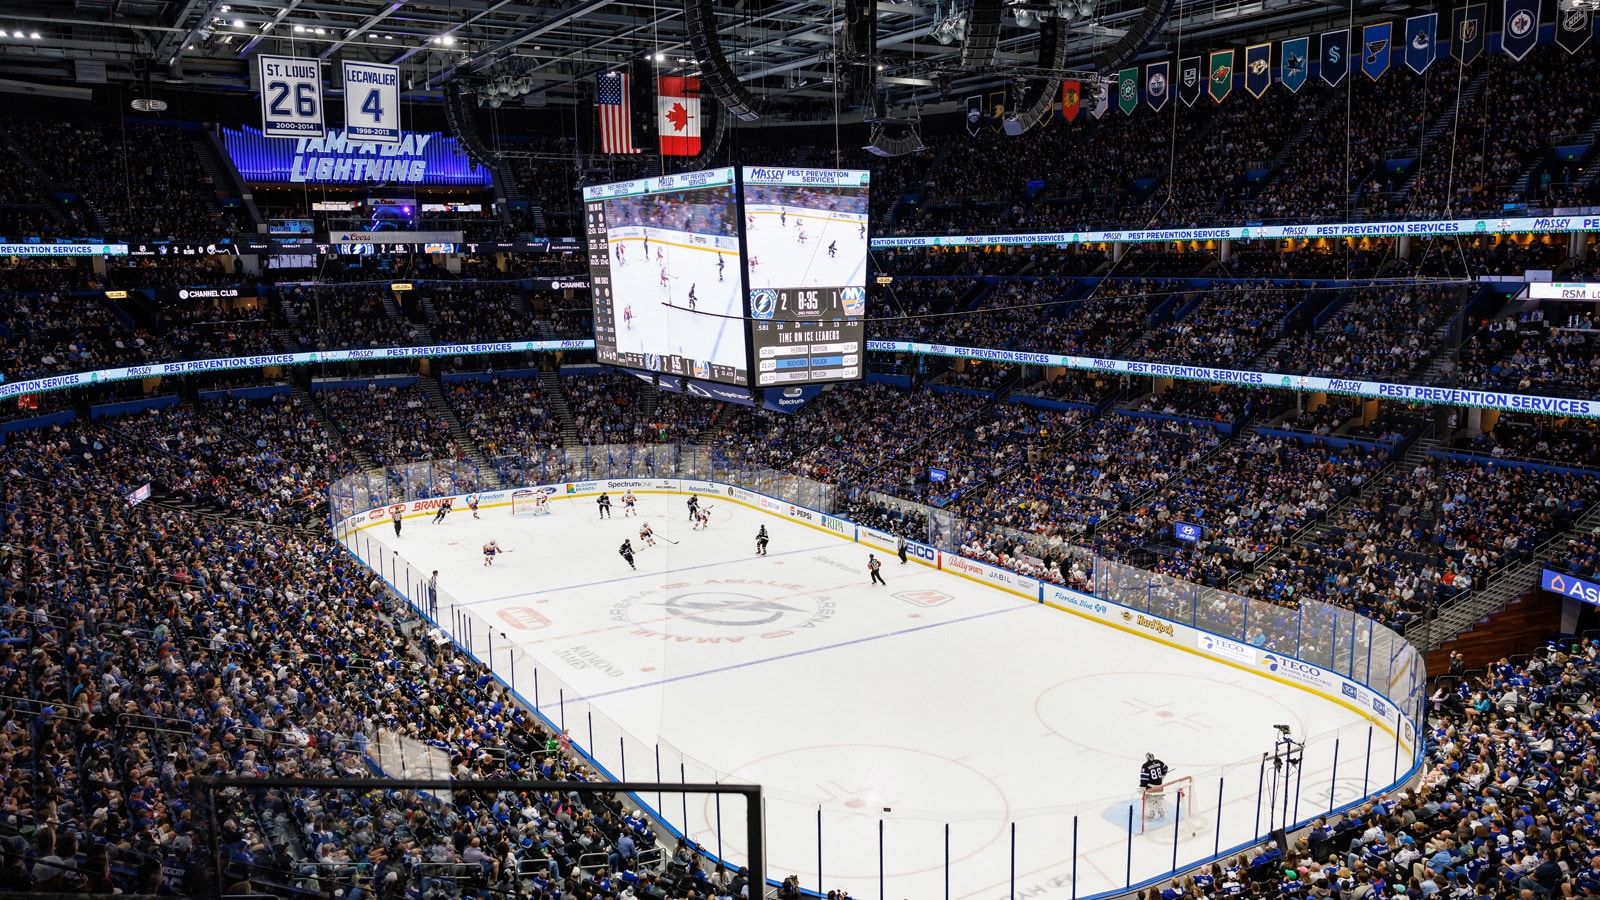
(764, 302)
(702, 370)
(854, 300)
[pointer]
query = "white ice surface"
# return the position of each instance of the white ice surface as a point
(662, 321)
(939, 699)
(781, 260)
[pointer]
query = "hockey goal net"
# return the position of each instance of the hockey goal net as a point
(1173, 802)
(530, 503)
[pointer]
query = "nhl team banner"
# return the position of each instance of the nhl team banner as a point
(974, 113)
(1155, 85)
(1128, 91)
(1574, 27)
(1466, 33)
(1375, 49)
(1220, 84)
(1422, 38)
(371, 103)
(1258, 69)
(1071, 99)
(1102, 97)
(1520, 31)
(1296, 63)
(1189, 80)
(291, 96)
(1335, 56)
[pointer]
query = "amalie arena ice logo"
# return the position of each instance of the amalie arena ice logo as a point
(722, 610)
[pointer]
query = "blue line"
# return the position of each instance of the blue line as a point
(756, 662)
(573, 587)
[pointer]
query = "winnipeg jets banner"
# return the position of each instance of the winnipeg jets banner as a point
(1422, 36)
(1155, 85)
(1296, 63)
(1258, 69)
(1335, 55)
(1190, 82)
(1520, 31)
(371, 103)
(1128, 91)
(1466, 33)
(1221, 80)
(1375, 49)
(1574, 27)
(291, 97)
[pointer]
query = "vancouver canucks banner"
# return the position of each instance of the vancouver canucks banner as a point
(1071, 99)
(1258, 69)
(1466, 33)
(1220, 84)
(1296, 63)
(1422, 34)
(1375, 49)
(1102, 97)
(1190, 82)
(1155, 85)
(1521, 28)
(1335, 55)
(1574, 27)
(1128, 90)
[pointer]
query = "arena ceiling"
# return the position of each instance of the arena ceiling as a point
(542, 49)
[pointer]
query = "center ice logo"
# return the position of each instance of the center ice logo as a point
(728, 609)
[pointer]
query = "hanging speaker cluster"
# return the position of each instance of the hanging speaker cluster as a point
(458, 116)
(1139, 34)
(983, 33)
(715, 73)
(1038, 98)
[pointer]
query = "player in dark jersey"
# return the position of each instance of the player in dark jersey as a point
(605, 505)
(627, 553)
(1151, 774)
(761, 541)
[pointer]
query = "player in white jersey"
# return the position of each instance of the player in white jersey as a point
(629, 501)
(663, 276)
(647, 535)
(472, 504)
(490, 551)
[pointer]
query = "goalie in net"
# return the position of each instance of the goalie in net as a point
(1163, 800)
(530, 503)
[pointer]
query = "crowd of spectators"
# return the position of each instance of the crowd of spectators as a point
(1384, 332)
(613, 408)
(1229, 324)
(392, 424)
(342, 317)
(504, 415)
(476, 312)
(1504, 354)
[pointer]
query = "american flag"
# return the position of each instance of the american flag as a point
(616, 114)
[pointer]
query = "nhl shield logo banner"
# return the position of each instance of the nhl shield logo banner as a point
(1102, 97)
(1071, 99)
(974, 113)
(1296, 63)
(1220, 84)
(1258, 69)
(1128, 91)
(1422, 37)
(1190, 82)
(1335, 56)
(1155, 85)
(1375, 49)
(1466, 33)
(1520, 31)
(1574, 27)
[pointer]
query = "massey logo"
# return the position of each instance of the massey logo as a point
(523, 618)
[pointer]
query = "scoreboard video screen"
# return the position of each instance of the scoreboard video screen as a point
(806, 260)
(665, 275)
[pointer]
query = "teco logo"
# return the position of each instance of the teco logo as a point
(521, 617)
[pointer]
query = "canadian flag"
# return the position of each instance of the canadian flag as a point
(678, 116)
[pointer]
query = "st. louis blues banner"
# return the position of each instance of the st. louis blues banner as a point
(1375, 49)
(1466, 33)
(1155, 85)
(1257, 69)
(1521, 28)
(1335, 55)
(1221, 80)
(1296, 63)
(1574, 27)
(1102, 97)
(1422, 39)
(1128, 91)
(1190, 82)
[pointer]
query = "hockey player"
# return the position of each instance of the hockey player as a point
(472, 504)
(1151, 774)
(861, 230)
(627, 316)
(663, 276)
(799, 231)
(833, 249)
(622, 255)
(627, 553)
(691, 297)
(694, 509)
(647, 535)
(629, 501)
(783, 218)
(703, 520)
(900, 548)
(875, 565)
(490, 551)
(647, 247)
(605, 505)
(444, 510)
(761, 541)
(720, 263)
(660, 255)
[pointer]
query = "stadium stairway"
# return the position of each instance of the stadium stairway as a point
(1443, 125)
(225, 178)
(441, 407)
(1521, 627)
(1585, 138)
(556, 396)
(52, 207)
(298, 393)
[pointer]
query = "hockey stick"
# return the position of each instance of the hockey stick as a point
(664, 538)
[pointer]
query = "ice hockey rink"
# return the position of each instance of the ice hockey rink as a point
(779, 259)
(662, 321)
(929, 714)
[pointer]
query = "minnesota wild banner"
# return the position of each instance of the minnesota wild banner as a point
(1102, 97)
(1574, 27)
(1296, 63)
(1220, 84)
(1155, 85)
(1335, 56)
(1190, 82)
(1258, 69)
(1521, 28)
(1466, 33)
(1071, 99)
(1422, 34)
(1128, 91)
(1375, 49)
